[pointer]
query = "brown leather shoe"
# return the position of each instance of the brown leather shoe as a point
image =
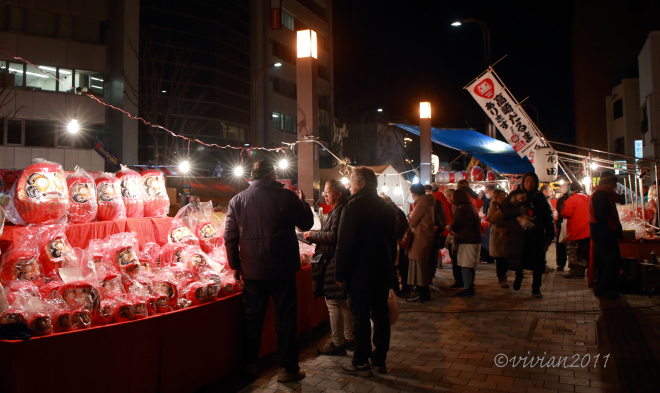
(330, 349)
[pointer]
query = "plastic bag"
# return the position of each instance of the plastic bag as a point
(54, 249)
(149, 257)
(171, 254)
(131, 191)
(122, 252)
(80, 294)
(39, 196)
(165, 290)
(180, 234)
(156, 201)
(199, 217)
(82, 196)
(21, 261)
(108, 196)
(4, 303)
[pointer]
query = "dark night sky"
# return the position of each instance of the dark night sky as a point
(395, 54)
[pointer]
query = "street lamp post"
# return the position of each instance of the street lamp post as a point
(486, 33)
(254, 98)
(308, 114)
(425, 142)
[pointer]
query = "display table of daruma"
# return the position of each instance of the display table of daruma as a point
(178, 351)
(147, 229)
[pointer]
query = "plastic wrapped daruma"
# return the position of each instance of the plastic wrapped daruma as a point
(79, 294)
(82, 197)
(20, 265)
(476, 174)
(108, 196)
(156, 201)
(54, 249)
(131, 191)
(40, 195)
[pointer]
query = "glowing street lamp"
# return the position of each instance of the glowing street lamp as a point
(283, 164)
(307, 44)
(344, 180)
(238, 171)
(425, 141)
(308, 109)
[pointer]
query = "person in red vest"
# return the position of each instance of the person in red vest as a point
(576, 212)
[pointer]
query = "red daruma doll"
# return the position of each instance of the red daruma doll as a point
(82, 197)
(108, 196)
(41, 195)
(156, 201)
(131, 191)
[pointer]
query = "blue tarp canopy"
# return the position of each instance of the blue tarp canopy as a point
(498, 155)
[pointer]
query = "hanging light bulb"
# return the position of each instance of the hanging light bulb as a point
(72, 127)
(238, 171)
(283, 164)
(384, 188)
(594, 165)
(397, 190)
(344, 180)
(184, 166)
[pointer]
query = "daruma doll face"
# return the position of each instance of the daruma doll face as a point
(131, 192)
(41, 194)
(82, 198)
(110, 204)
(156, 201)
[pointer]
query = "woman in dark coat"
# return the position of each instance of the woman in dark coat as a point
(467, 231)
(530, 230)
(341, 321)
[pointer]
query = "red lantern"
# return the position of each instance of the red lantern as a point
(490, 176)
(41, 195)
(476, 174)
(156, 201)
(82, 197)
(131, 191)
(108, 196)
(452, 177)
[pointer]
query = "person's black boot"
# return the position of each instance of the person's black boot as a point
(466, 292)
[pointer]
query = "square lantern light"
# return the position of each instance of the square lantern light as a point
(307, 44)
(424, 110)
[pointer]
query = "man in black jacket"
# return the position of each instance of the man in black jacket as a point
(262, 248)
(561, 247)
(365, 255)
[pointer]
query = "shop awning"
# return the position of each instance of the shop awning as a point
(498, 155)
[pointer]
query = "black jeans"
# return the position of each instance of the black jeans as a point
(607, 264)
(456, 270)
(256, 295)
(367, 307)
(561, 254)
(501, 267)
(402, 267)
(537, 275)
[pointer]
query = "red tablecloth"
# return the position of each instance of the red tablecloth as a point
(79, 235)
(175, 352)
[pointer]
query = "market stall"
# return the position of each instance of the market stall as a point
(118, 296)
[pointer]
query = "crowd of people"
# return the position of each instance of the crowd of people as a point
(367, 247)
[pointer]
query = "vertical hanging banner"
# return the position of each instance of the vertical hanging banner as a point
(509, 117)
(275, 14)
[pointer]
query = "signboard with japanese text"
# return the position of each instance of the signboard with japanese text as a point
(105, 152)
(509, 118)
(275, 14)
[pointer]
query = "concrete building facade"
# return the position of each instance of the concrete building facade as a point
(622, 108)
(84, 44)
(274, 90)
(649, 95)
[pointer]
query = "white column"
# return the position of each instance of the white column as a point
(308, 115)
(425, 142)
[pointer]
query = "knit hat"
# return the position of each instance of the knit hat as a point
(575, 186)
(607, 177)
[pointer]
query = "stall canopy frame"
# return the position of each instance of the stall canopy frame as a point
(497, 155)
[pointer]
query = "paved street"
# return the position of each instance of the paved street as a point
(450, 344)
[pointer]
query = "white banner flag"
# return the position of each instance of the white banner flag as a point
(501, 107)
